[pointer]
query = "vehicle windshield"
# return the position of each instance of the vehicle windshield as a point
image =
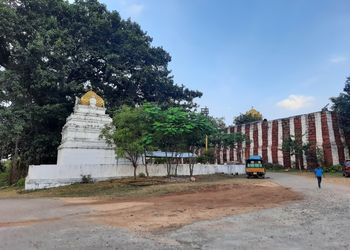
(347, 164)
(254, 164)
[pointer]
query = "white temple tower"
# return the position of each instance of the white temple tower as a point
(81, 142)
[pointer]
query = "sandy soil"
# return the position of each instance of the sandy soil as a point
(328, 178)
(175, 210)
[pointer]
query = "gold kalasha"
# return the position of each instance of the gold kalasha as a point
(85, 99)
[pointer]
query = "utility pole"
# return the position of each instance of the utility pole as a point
(205, 111)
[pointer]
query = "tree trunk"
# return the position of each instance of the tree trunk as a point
(135, 172)
(146, 169)
(145, 164)
(177, 164)
(134, 163)
(14, 172)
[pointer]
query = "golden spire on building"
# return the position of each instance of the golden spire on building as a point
(85, 99)
(254, 113)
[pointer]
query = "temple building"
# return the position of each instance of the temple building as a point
(320, 130)
(81, 143)
(82, 150)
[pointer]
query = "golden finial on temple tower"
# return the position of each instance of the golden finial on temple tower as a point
(89, 97)
(254, 113)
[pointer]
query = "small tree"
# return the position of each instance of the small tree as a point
(129, 133)
(169, 130)
(201, 126)
(296, 147)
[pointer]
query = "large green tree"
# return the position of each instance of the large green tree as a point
(52, 50)
(341, 105)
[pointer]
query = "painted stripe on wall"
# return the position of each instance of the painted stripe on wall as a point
(299, 160)
(274, 145)
(312, 141)
(339, 139)
(333, 143)
(279, 143)
(318, 126)
(292, 134)
(248, 142)
(260, 138)
(327, 150)
(256, 139)
(263, 148)
(244, 144)
(251, 136)
(285, 136)
(240, 146)
(269, 142)
(305, 136)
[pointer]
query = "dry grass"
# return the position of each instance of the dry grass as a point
(128, 187)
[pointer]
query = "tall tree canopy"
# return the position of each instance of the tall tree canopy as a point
(341, 105)
(251, 115)
(51, 51)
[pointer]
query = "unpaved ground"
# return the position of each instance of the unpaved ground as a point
(328, 178)
(318, 221)
(175, 210)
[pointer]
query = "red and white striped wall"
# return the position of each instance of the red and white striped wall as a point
(321, 130)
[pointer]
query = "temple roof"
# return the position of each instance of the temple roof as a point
(85, 99)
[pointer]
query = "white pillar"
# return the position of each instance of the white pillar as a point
(292, 134)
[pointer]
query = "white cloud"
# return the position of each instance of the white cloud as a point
(295, 102)
(135, 9)
(130, 9)
(338, 59)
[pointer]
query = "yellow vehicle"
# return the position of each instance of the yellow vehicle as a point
(254, 167)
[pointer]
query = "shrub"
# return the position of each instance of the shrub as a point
(2, 167)
(86, 179)
(20, 183)
(207, 157)
(272, 166)
(159, 160)
(333, 169)
(4, 179)
(141, 175)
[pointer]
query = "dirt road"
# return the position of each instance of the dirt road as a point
(320, 221)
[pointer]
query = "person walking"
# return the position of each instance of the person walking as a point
(319, 174)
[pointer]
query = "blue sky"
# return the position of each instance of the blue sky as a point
(282, 57)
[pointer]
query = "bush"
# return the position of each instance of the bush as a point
(20, 183)
(271, 166)
(2, 167)
(333, 169)
(86, 179)
(159, 160)
(141, 175)
(4, 179)
(207, 157)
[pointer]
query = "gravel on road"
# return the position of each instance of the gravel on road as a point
(320, 221)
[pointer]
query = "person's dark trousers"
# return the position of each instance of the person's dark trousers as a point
(319, 179)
